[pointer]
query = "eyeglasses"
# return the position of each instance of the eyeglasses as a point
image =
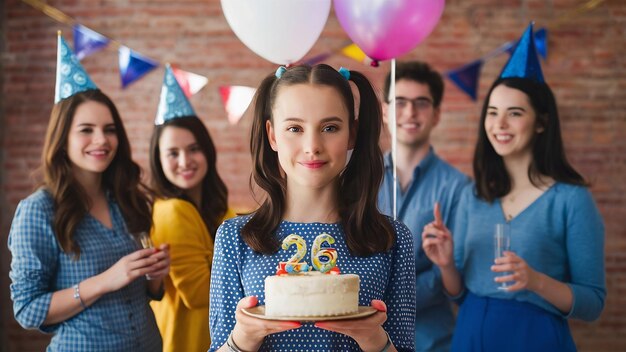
(419, 103)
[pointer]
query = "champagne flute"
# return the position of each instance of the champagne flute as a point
(502, 243)
(146, 242)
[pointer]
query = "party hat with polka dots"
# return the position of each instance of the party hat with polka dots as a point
(173, 103)
(71, 76)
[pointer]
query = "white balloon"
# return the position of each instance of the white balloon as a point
(280, 31)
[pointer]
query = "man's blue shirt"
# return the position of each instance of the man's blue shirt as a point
(433, 180)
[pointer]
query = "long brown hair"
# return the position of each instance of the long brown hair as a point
(214, 198)
(121, 178)
(367, 231)
(492, 178)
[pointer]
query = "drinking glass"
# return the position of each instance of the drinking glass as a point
(146, 242)
(502, 242)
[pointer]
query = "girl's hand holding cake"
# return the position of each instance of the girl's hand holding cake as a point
(249, 332)
(361, 329)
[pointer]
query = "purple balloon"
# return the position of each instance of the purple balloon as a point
(385, 29)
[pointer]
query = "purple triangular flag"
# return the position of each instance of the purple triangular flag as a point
(133, 65)
(466, 77)
(87, 42)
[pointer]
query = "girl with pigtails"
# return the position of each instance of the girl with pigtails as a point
(304, 125)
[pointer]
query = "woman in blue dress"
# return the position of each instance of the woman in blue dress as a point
(555, 268)
(76, 269)
(304, 126)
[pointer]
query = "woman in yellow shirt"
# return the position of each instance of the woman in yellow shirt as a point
(191, 202)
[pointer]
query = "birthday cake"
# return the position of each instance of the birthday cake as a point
(300, 290)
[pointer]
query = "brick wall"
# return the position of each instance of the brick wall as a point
(585, 68)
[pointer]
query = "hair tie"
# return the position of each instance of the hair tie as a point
(345, 73)
(280, 70)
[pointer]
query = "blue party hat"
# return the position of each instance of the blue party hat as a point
(173, 103)
(71, 76)
(524, 62)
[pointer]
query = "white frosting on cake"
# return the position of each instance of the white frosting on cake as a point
(311, 294)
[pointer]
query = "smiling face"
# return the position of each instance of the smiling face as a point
(92, 140)
(310, 130)
(415, 114)
(511, 122)
(184, 164)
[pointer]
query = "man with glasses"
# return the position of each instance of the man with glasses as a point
(423, 179)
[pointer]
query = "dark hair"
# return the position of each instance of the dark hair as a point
(367, 231)
(548, 154)
(214, 198)
(122, 178)
(419, 72)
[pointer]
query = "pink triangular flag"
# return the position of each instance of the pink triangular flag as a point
(236, 101)
(191, 83)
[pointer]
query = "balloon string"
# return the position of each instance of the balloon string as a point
(394, 142)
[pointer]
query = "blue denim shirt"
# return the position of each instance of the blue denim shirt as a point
(434, 180)
(118, 321)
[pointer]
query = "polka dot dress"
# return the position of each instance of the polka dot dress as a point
(239, 272)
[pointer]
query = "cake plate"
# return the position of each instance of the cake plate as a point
(259, 312)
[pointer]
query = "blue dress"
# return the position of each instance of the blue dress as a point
(561, 234)
(118, 321)
(239, 272)
(433, 181)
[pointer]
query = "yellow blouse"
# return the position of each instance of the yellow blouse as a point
(183, 313)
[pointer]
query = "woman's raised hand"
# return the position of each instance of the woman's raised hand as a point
(437, 241)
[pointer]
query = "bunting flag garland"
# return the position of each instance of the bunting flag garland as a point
(133, 65)
(354, 52)
(189, 82)
(87, 41)
(323, 56)
(236, 101)
(466, 77)
(317, 59)
(540, 40)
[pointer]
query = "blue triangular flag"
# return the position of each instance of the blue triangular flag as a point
(466, 77)
(87, 42)
(541, 42)
(133, 65)
(173, 102)
(524, 62)
(71, 76)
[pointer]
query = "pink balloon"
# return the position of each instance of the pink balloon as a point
(385, 29)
